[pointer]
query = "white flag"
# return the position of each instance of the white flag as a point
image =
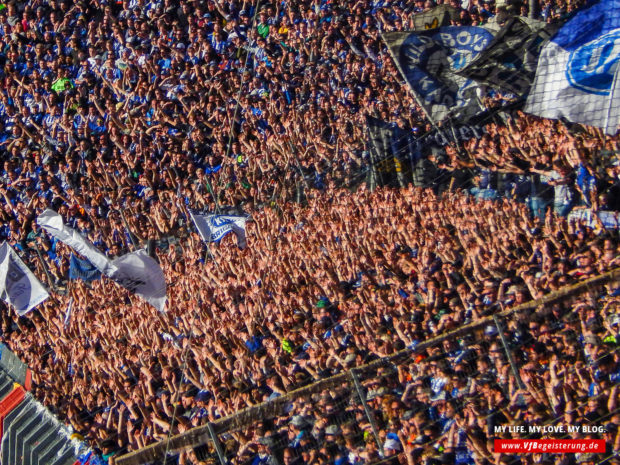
(53, 224)
(141, 274)
(213, 227)
(68, 313)
(135, 271)
(19, 287)
(576, 70)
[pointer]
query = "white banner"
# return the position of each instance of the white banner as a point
(605, 218)
(19, 287)
(135, 271)
(576, 74)
(53, 224)
(141, 274)
(212, 228)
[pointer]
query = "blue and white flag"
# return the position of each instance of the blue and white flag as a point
(82, 269)
(19, 287)
(212, 228)
(429, 60)
(53, 223)
(576, 73)
(606, 218)
(136, 271)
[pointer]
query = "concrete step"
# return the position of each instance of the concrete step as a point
(46, 441)
(34, 438)
(12, 423)
(24, 428)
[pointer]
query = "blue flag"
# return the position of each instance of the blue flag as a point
(430, 61)
(577, 73)
(212, 228)
(82, 269)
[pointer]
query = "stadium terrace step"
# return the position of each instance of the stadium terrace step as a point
(60, 453)
(13, 415)
(12, 367)
(24, 430)
(29, 433)
(32, 436)
(9, 403)
(11, 432)
(45, 442)
(6, 386)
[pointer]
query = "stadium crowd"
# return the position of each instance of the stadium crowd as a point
(323, 288)
(122, 115)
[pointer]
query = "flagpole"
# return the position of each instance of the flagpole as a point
(120, 210)
(67, 321)
(49, 278)
(375, 172)
(209, 254)
(47, 274)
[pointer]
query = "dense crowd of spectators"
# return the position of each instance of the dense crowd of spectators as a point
(313, 295)
(445, 404)
(122, 115)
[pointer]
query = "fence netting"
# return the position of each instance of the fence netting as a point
(547, 366)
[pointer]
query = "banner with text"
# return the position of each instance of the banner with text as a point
(430, 62)
(212, 228)
(577, 74)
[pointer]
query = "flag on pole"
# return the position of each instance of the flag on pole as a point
(142, 275)
(509, 62)
(212, 228)
(576, 70)
(19, 287)
(53, 224)
(391, 145)
(434, 18)
(135, 271)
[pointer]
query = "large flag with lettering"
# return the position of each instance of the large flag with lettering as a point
(509, 62)
(19, 287)
(212, 228)
(577, 72)
(135, 271)
(430, 61)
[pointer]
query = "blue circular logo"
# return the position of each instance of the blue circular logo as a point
(429, 60)
(591, 67)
